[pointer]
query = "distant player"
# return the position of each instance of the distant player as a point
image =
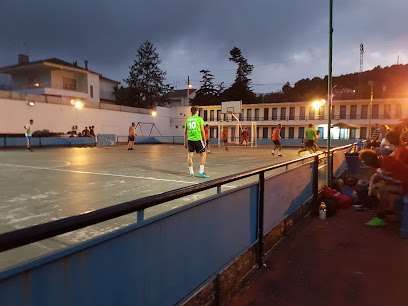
(244, 136)
(276, 137)
(207, 138)
(194, 138)
(28, 134)
(225, 139)
(310, 138)
(131, 137)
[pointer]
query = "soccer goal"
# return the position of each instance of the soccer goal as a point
(230, 129)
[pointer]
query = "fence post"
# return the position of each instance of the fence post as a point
(261, 216)
(315, 180)
(140, 216)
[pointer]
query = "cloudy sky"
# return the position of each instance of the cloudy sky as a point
(286, 40)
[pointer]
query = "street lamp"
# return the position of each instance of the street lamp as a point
(154, 114)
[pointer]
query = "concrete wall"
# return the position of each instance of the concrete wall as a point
(93, 80)
(14, 114)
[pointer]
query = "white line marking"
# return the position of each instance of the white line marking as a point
(105, 174)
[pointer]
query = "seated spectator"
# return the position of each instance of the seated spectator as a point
(85, 133)
(92, 131)
(393, 180)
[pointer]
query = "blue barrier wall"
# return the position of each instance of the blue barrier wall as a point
(106, 140)
(286, 192)
(48, 141)
(156, 263)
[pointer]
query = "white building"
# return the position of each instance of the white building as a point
(54, 77)
(181, 97)
(296, 116)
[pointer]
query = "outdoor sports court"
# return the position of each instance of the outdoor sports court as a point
(53, 183)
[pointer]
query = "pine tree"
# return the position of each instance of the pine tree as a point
(208, 93)
(145, 80)
(241, 89)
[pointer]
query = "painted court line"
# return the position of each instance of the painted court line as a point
(103, 174)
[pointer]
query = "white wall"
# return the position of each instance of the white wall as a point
(14, 114)
(93, 79)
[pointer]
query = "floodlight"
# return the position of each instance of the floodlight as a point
(78, 104)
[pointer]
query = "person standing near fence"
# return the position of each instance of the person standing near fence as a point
(276, 137)
(28, 134)
(194, 140)
(131, 137)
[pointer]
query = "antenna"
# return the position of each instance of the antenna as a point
(361, 71)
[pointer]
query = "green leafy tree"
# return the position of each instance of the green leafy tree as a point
(208, 93)
(145, 81)
(240, 89)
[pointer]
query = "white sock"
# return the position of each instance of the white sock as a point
(201, 169)
(191, 170)
(273, 151)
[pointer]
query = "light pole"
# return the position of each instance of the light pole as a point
(329, 89)
(188, 90)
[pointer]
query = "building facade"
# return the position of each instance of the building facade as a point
(351, 119)
(54, 77)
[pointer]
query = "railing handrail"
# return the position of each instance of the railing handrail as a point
(21, 237)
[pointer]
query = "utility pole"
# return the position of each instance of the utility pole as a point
(188, 91)
(329, 87)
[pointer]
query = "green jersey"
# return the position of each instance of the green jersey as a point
(310, 134)
(193, 126)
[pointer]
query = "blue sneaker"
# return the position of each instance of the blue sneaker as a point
(203, 175)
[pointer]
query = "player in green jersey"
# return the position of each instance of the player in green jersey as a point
(194, 140)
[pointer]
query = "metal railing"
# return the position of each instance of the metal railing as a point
(21, 237)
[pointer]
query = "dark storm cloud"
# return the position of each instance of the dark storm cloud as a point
(285, 40)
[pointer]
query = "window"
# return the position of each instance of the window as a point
(241, 115)
(291, 132)
(200, 113)
(274, 113)
(363, 133)
(266, 113)
(283, 132)
(91, 90)
(257, 132)
(302, 113)
(353, 134)
(68, 83)
(205, 115)
(256, 114)
(311, 113)
(292, 114)
(376, 111)
(212, 132)
(332, 112)
(301, 132)
(233, 134)
(322, 109)
(211, 115)
(364, 111)
(342, 112)
(398, 111)
(218, 115)
(283, 113)
(387, 111)
(265, 133)
(353, 112)
(249, 114)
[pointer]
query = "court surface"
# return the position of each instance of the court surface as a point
(53, 183)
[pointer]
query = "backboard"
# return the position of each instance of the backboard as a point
(231, 107)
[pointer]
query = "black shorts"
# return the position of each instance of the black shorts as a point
(309, 143)
(276, 142)
(197, 146)
(131, 138)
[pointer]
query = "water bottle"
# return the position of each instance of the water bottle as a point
(322, 210)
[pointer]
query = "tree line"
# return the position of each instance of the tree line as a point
(146, 84)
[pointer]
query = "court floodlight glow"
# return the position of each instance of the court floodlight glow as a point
(72, 102)
(78, 104)
(317, 104)
(154, 114)
(31, 103)
(190, 86)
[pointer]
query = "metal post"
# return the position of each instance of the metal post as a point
(261, 216)
(188, 91)
(315, 180)
(140, 216)
(329, 174)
